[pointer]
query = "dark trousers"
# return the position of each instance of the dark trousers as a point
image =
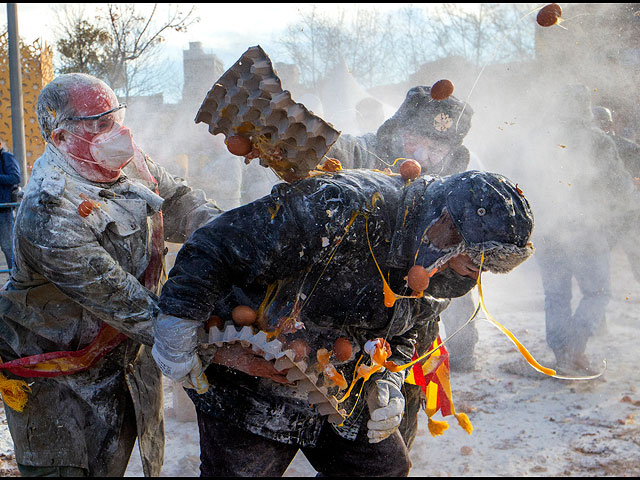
(227, 451)
(6, 224)
(413, 399)
(587, 260)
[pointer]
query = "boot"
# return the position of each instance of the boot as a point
(573, 363)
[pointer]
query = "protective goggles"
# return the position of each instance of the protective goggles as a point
(101, 122)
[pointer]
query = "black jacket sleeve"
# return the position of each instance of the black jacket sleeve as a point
(269, 239)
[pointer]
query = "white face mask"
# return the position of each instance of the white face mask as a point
(111, 150)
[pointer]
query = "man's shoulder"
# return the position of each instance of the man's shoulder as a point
(51, 192)
(346, 191)
(47, 183)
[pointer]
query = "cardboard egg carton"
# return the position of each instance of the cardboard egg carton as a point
(305, 377)
(248, 100)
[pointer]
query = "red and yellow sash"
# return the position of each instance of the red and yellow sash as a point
(433, 379)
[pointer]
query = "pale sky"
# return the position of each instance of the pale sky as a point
(225, 29)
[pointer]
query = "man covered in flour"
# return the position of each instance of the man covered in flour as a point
(88, 248)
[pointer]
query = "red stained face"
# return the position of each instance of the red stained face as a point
(89, 100)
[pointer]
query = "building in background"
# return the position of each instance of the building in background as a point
(201, 70)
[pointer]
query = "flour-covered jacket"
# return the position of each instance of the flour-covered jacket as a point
(380, 151)
(70, 274)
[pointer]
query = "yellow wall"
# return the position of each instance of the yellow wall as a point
(37, 71)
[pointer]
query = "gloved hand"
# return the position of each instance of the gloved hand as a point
(188, 372)
(174, 350)
(196, 378)
(386, 407)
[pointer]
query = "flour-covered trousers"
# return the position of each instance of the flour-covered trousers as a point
(586, 257)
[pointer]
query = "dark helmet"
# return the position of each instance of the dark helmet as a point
(489, 213)
(447, 120)
(603, 117)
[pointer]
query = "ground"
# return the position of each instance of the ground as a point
(523, 425)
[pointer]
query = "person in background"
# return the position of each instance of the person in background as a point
(9, 180)
(88, 261)
(628, 150)
(629, 153)
(584, 196)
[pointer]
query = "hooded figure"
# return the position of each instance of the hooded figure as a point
(317, 250)
(429, 131)
(88, 256)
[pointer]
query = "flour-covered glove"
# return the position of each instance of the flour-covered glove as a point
(174, 350)
(386, 406)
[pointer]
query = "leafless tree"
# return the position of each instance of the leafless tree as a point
(135, 39)
(382, 48)
(495, 32)
(120, 45)
(317, 43)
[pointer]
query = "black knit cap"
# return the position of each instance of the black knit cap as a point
(448, 120)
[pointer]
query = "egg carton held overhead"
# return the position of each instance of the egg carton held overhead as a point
(248, 101)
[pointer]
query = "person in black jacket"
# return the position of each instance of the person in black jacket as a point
(317, 250)
(9, 179)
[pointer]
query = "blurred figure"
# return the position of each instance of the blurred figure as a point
(629, 153)
(9, 180)
(431, 132)
(628, 150)
(583, 194)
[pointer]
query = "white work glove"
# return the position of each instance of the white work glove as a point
(174, 350)
(386, 407)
